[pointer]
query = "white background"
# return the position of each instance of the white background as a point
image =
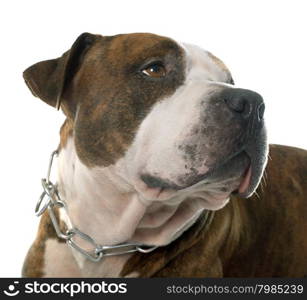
(262, 42)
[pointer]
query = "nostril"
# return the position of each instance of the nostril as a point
(239, 105)
(260, 111)
(244, 104)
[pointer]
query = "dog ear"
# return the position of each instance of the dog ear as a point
(48, 79)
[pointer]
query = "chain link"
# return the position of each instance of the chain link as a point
(50, 201)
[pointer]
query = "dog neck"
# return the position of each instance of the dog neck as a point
(103, 205)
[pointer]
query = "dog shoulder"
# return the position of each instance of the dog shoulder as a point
(34, 262)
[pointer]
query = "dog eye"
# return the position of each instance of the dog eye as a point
(156, 70)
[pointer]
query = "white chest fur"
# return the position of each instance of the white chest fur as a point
(103, 204)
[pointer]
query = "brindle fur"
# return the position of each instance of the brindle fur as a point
(34, 261)
(103, 135)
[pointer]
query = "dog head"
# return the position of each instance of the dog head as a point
(166, 116)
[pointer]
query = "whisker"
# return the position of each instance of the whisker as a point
(257, 195)
(261, 187)
(266, 176)
(263, 179)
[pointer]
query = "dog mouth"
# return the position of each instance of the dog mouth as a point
(238, 175)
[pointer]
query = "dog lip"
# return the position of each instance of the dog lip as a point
(212, 172)
(245, 183)
(158, 183)
(254, 176)
(154, 182)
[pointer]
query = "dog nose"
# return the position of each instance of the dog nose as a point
(245, 103)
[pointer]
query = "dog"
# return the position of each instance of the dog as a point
(163, 157)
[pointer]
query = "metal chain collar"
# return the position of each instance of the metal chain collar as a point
(50, 200)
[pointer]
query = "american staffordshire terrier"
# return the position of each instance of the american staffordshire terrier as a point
(157, 156)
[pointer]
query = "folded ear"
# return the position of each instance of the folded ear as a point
(48, 79)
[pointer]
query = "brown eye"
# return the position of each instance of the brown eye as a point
(156, 70)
